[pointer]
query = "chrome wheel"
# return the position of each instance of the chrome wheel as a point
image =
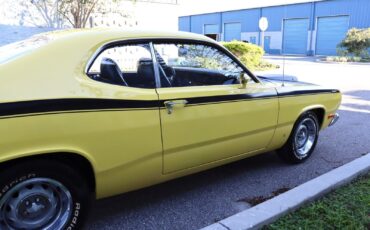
(38, 203)
(305, 137)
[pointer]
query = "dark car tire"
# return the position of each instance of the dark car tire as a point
(40, 190)
(294, 150)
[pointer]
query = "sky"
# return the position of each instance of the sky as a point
(188, 7)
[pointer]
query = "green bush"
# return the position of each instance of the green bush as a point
(356, 42)
(249, 54)
(344, 59)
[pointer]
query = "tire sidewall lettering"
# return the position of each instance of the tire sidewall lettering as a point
(74, 219)
(14, 182)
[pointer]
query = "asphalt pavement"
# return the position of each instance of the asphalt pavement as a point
(201, 199)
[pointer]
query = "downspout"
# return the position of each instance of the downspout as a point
(259, 31)
(221, 38)
(190, 24)
(311, 51)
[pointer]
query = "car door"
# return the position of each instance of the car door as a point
(206, 114)
(125, 136)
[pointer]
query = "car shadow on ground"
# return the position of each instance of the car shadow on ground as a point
(177, 187)
(357, 101)
(360, 94)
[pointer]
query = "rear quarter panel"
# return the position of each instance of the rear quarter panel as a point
(110, 140)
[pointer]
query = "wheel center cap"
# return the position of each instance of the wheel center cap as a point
(34, 207)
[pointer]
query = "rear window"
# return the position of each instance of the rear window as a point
(13, 50)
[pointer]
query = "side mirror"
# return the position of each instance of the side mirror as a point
(244, 79)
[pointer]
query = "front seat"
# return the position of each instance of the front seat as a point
(145, 73)
(110, 72)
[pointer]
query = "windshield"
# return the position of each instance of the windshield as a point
(13, 50)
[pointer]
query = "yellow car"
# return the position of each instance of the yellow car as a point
(89, 114)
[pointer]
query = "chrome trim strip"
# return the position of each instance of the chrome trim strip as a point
(155, 66)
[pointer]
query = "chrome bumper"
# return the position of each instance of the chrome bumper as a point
(334, 119)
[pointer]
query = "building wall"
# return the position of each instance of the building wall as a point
(357, 10)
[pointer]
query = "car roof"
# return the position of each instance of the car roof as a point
(121, 34)
(54, 63)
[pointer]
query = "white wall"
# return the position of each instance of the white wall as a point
(313, 46)
(154, 16)
(276, 39)
(245, 36)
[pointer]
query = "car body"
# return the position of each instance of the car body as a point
(125, 137)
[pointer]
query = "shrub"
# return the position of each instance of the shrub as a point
(356, 42)
(330, 58)
(356, 59)
(249, 54)
(345, 59)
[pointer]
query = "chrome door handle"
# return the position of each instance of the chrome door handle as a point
(171, 104)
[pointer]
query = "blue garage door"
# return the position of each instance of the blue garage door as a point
(232, 31)
(330, 32)
(295, 36)
(211, 29)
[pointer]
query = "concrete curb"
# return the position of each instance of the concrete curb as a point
(270, 210)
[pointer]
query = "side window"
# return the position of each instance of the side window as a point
(183, 65)
(127, 65)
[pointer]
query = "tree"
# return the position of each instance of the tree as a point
(55, 13)
(356, 42)
(77, 12)
(48, 13)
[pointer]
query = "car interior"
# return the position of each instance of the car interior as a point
(169, 76)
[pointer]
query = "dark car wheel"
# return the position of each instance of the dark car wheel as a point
(302, 140)
(42, 194)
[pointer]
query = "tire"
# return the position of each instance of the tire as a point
(43, 194)
(302, 140)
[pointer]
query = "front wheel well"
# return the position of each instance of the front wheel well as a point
(76, 161)
(320, 113)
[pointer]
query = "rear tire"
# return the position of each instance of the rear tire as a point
(302, 140)
(43, 194)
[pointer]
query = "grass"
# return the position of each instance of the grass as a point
(346, 59)
(346, 208)
(264, 65)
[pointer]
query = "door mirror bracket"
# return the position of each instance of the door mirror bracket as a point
(243, 80)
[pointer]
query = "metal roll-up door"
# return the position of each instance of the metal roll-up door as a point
(330, 32)
(211, 29)
(295, 36)
(232, 31)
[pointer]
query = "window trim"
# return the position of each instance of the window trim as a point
(113, 44)
(155, 66)
(190, 43)
(152, 41)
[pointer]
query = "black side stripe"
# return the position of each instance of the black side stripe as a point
(90, 104)
(285, 93)
(59, 105)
